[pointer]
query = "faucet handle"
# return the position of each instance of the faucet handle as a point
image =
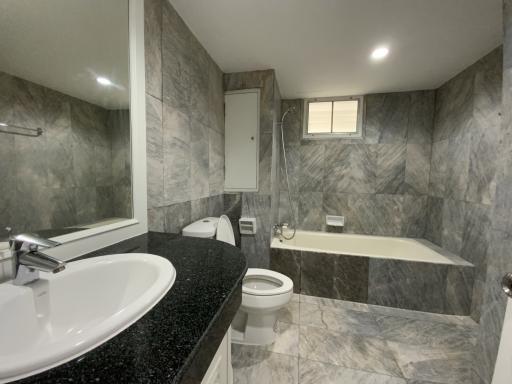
(32, 241)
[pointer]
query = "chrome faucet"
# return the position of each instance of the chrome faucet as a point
(29, 260)
(277, 229)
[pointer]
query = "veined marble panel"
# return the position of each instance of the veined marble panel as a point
(346, 350)
(253, 365)
(350, 168)
(390, 173)
(313, 372)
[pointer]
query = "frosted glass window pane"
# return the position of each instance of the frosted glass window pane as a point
(319, 117)
(344, 116)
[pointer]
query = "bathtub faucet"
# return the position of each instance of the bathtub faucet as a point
(277, 229)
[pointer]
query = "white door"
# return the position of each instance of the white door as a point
(503, 368)
(242, 140)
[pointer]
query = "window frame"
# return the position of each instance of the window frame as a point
(358, 134)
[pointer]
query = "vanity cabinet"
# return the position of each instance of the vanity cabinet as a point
(220, 370)
(242, 117)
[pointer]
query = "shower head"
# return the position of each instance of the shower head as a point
(290, 109)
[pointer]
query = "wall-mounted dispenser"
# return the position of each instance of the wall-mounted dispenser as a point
(247, 225)
(335, 221)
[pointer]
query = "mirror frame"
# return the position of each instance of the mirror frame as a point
(81, 242)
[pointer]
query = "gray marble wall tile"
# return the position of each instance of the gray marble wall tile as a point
(390, 171)
(216, 161)
(454, 213)
(434, 220)
(409, 285)
(317, 274)
(287, 262)
(387, 116)
(414, 215)
(459, 290)
(156, 219)
(311, 168)
(177, 216)
(454, 106)
(351, 278)
(216, 206)
(363, 221)
(153, 46)
(421, 118)
(417, 169)
(154, 152)
(311, 215)
(388, 215)
(350, 168)
(198, 209)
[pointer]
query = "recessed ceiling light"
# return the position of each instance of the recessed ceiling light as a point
(380, 53)
(103, 81)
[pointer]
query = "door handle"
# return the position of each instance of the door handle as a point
(506, 284)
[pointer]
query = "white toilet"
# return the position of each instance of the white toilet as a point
(264, 292)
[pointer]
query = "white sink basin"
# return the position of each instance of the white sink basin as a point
(63, 315)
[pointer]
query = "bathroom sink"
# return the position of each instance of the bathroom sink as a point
(64, 315)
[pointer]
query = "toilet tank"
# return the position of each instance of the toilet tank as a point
(204, 228)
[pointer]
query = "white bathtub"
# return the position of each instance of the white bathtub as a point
(370, 246)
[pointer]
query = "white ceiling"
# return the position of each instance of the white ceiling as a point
(322, 47)
(66, 44)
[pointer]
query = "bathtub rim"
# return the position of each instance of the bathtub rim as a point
(454, 259)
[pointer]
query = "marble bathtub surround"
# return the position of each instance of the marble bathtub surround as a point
(77, 172)
(185, 122)
(421, 286)
(379, 183)
(363, 344)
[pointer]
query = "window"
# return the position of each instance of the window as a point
(333, 117)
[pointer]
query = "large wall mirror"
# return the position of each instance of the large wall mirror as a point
(65, 150)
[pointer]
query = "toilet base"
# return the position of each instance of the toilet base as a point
(253, 329)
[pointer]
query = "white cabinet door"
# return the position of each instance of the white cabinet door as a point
(220, 370)
(242, 117)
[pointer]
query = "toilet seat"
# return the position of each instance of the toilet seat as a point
(283, 284)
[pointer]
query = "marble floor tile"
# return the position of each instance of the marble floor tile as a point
(339, 319)
(290, 313)
(434, 364)
(254, 365)
(346, 350)
(333, 303)
(417, 332)
(314, 372)
(419, 315)
(287, 339)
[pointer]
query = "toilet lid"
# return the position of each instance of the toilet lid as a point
(264, 282)
(225, 230)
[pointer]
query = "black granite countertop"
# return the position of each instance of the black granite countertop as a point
(176, 340)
